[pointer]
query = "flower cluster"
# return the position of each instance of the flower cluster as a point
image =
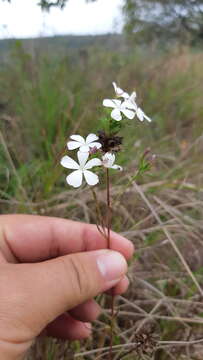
(84, 164)
(128, 107)
(104, 145)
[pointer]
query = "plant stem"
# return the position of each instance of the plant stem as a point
(100, 220)
(109, 216)
(108, 200)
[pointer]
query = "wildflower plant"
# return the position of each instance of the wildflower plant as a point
(99, 151)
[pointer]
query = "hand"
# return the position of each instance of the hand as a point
(50, 271)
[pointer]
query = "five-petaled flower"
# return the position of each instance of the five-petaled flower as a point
(119, 108)
(81, 168)
(108, 160)
(84, 145)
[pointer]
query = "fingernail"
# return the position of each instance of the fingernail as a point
(88, 326)
(112, 265)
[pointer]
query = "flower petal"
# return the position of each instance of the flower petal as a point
(95, 144)
(93, 162)
(112, 103)
(128, 113)
(117, 167)
(115, 87)
(69, 163)
(117, 102)
(119, 92)
(72, 145)
(91, 137)
(82, 158)
(108, 159)
(129, 104)
(140, 114)
(91, 178)
(84, 148)
(78, 138)
(125, 95)
(75, 178)
(108, 103)
(133, 96)
(147, 118)
(116, 114)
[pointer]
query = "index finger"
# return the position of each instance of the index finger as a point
(32, 238)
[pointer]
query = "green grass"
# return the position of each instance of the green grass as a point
(43, 100)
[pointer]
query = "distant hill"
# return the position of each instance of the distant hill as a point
(62, 44)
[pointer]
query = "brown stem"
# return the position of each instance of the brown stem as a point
(100, 222)
(109, 215)
(108, 199)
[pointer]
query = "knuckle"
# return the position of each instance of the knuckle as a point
(77, 276)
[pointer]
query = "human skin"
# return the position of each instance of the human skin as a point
(50, 271)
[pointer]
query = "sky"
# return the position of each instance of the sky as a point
(23, 18)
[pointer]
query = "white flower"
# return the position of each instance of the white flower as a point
(118, 108)
(81, 168)
(84, 145)
(108, 161)
(119, 92)
(129, 102)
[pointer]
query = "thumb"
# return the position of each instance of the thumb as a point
(52, 287)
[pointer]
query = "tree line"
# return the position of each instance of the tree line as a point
(146, 20)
